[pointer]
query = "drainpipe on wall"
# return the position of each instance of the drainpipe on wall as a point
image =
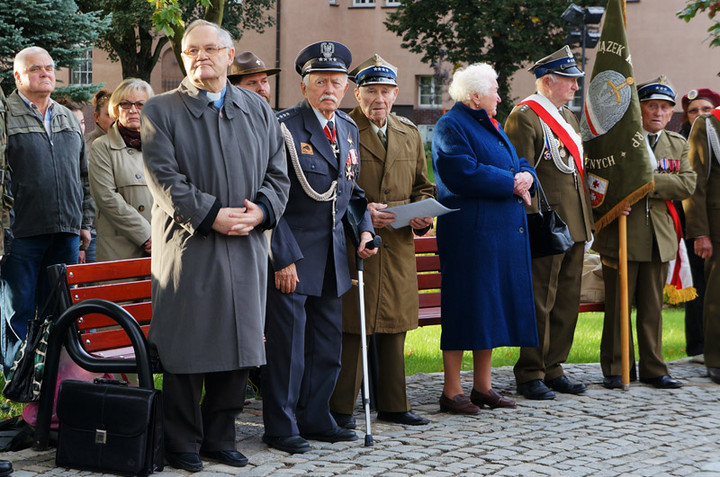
(277, 54)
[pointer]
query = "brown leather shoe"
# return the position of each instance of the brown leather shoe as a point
(714, 374)
(460, 404)
(491, 400)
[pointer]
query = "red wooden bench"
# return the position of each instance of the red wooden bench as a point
(428, 275)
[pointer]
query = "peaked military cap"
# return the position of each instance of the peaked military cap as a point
(322, 56)
(374, 70)
(562, 63)
(658, 88)
(246, 63)
(701, 93)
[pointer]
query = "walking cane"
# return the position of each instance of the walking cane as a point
(355, 212)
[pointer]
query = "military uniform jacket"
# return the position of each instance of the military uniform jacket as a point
(649, 219)
(565, 193)
(396, 178)
(122, 197)
(305, 235)
(702, 209)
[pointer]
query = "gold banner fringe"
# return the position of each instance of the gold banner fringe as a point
(675, 296)
(628, 201)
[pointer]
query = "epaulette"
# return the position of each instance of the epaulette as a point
(675, 135)
(286, 114)
(405, 120)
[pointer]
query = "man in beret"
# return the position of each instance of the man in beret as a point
(394, 172)
(703, 224)
(652, 241)
(545, 132)
(695, 103)
(309, 256)
(249, 72)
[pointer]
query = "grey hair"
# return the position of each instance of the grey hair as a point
(475, 78)
(121, 92)
(539, 81)
(19, 61)
(223, 35)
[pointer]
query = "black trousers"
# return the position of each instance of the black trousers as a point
(190, 424)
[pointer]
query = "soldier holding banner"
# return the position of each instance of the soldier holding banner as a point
(652, 237)
(545, 132)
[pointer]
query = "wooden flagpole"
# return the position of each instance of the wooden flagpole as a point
(623, 285)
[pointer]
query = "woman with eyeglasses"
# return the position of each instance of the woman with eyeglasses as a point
(117, 178)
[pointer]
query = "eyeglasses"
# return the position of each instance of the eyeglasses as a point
(211, 50)
(704, 109)
(127, 105)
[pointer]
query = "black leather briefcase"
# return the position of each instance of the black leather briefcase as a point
(109, 427)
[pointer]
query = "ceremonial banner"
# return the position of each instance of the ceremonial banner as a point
(617, 165)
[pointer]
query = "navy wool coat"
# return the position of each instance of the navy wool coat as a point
(487, 298)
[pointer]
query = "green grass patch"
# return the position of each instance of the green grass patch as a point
(423, 355)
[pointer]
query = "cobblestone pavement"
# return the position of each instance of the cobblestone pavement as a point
(643, 432)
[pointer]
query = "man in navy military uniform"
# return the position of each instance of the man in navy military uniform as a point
(308, 256)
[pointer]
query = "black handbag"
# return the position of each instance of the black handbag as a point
(109, 427)
(549, 234)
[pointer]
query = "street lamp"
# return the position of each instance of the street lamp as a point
(584, 29)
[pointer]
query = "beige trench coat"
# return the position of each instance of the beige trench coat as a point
(124, 202)
(400, 177)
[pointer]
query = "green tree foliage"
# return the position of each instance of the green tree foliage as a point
(698, 6)
(55, 25)
(508, 34)
(171, 16)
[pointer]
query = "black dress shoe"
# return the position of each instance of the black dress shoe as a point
(613, 381)
(346, 421)
(714, 374)
(536, 390)
(333, 435)
(227, 457)
(5, 468)
(562, 384)
(662, 382)
(189, 461)
(408, 418)
(291, 444)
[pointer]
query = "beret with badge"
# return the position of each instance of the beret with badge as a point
(374, 70)
(658, 88)
(323, 56)
(701, 93)
(562, 63)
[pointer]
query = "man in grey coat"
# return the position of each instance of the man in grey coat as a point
(216, 168)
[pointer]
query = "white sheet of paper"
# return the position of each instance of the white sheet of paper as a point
(424, 208)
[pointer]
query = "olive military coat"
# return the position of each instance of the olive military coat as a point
(394, 177)
(565, 194)
(702, 209)
(122, 197)
(649, 218)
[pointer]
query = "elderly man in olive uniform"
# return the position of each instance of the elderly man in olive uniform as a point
(309, 256)
(652, 242)
(216, 170)
(702, 216)
(544, 131)
(249, 72)
(394, 172)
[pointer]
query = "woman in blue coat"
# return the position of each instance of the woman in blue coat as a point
(487, 297)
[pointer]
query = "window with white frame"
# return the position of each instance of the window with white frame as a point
(363, 3)
(429, 92)
(81, 73)
(392, 3)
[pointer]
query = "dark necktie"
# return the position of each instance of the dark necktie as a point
(652, 140)
(383, 138)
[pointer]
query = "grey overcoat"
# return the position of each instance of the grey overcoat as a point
(208, 292)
